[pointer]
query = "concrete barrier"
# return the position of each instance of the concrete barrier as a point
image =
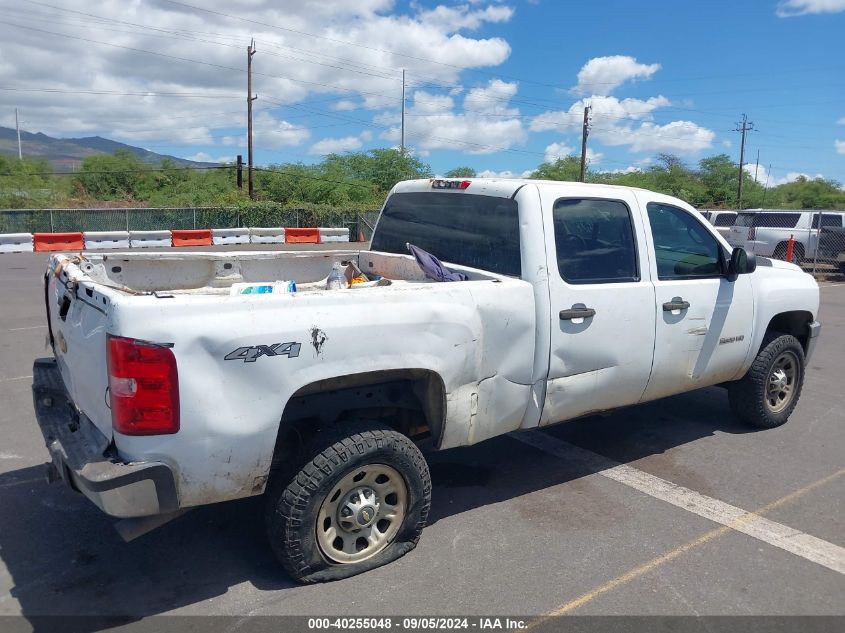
(333, 235)
(191, 237)
(230, 236)
(16, 243)
(149, 239)
(266, 235)
(57, 242)
(302, 235)
(98, 240)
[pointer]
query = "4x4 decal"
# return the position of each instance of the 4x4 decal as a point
(253, 353)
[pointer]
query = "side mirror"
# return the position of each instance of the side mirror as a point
(741, 263)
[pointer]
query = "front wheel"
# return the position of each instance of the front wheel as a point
(766, 396)
(360, 502)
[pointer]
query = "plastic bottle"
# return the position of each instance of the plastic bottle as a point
(276, 287)
(336, 280)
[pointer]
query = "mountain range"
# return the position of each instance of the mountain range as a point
(66, 154)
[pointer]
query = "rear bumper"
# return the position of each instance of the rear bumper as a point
(813, 331)
(83, 457)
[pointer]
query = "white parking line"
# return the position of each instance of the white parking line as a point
(31, 327)
(781, 536)
(15, 378)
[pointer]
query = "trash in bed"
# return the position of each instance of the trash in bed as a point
(268, 288)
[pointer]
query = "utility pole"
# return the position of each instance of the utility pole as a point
(757, 165)
(402, 141)
(250, 51)
(18, 128)
(766, 187)
(744, 126)
(240, 171)
(585, 132)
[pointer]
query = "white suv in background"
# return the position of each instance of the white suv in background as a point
(722, 220)
(766, 232)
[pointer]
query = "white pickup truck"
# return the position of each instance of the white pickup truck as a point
(167, 392)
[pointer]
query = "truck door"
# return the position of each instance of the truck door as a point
(703, 320)
(602, 315)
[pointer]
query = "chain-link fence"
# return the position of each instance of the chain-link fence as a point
(814, 239)
(150, 219)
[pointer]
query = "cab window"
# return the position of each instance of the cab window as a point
(594, 240)
(684, 249)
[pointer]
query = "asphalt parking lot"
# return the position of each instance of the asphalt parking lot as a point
(514, 529)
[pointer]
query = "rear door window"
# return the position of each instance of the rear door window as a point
(777, 220)
(725, 219)
(827, 220)
(594, 240)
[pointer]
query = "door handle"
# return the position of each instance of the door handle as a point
(576, 313)
(675, 305)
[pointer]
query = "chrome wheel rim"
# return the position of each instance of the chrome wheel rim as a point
(362, 513)
(780, 384)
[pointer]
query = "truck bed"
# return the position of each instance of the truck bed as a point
(204, 273)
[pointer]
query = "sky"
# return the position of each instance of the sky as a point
(499, 86)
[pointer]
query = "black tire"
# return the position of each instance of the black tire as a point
(749, 396)
(293, 506)
(842, 268)
(797, 253)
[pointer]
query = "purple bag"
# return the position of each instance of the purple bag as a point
(433, 267)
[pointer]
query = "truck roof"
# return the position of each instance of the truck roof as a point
(504, 187)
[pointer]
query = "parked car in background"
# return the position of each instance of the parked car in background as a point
(832, 247)
(767, 231)
(722, 220)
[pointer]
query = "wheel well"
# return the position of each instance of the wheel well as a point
(411, 401)
(794, 323)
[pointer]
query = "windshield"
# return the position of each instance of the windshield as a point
(460, 228)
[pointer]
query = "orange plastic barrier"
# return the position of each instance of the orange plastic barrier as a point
(302, 236)
(58, 241)
(192, 237)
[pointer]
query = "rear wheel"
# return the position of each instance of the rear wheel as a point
(797, 253)
(767, 394)
(359, 502)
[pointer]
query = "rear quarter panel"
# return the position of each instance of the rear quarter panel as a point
(478, 336)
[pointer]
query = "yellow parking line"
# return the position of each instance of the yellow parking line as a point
(646, 567)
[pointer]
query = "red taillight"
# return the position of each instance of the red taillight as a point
(143, 387)
(752, 233)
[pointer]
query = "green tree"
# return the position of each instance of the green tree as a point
(461, 172)
(117, 176)
(567, 168)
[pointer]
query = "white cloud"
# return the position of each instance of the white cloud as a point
(604, 110)
(764, 177)
(271, 133)
(840, 146)
(354, 59)
(792, 8)
(489, 173)
(203, 157)
(682, 137)
(593, 158)
(339, 145)
(601, 75)
(344, 105)
(484, 126)
(557, 151)
(628, 122)
(727, 143)
(462, 17)
(841, 121)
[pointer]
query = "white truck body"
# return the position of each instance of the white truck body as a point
(766, 231)
(493, 354)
